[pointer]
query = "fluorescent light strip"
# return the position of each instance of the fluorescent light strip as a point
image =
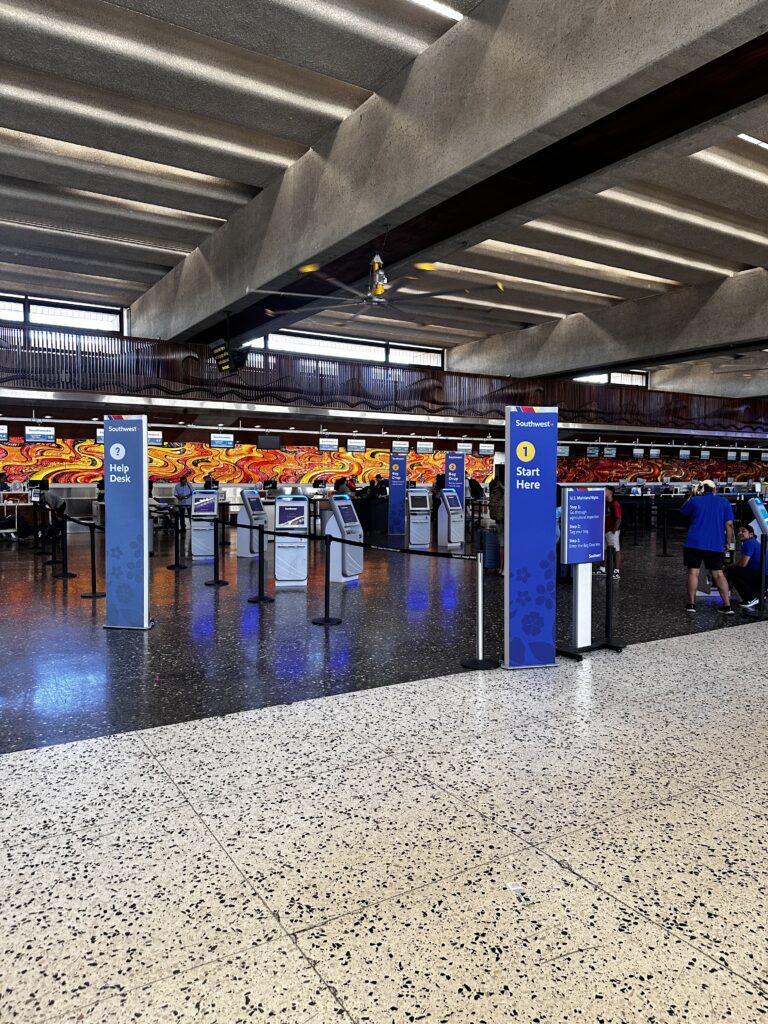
(507, 249)
(99, 115)
(437, 8)
(121, 45)
(526, 282)
(555, 227)
(726, 161)
(488, 305)
(666, 208)
(753, 140)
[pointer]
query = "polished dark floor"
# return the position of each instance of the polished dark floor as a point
(65, 678)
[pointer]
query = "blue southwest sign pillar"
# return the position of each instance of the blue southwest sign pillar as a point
(398, 477)
(126, 483)
(530, 565)
(454, 473)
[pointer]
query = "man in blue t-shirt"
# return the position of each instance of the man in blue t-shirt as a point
(711, 524)
(744, 575)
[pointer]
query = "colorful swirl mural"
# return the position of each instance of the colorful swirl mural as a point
(81, 462)
(575, 470)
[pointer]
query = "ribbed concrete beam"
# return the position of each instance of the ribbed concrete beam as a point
(691, 320)
(497, 87)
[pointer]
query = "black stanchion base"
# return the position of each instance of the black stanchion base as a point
(177, 567)
(480, 663)
(261, 600)
(577, 653)
(754, 613)
(92, 597)
(217, 583)
(64, 576)
(326, 622)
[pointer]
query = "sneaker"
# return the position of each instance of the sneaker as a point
(616, 574)
(600, 570)
(690, 608)
(725, 609)
(752, 603)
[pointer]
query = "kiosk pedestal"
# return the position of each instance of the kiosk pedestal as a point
(205, 511)
(251, 515)
(291, 545)
(346, 562)
(419, 518)
(450, 520)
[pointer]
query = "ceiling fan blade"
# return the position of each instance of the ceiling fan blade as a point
(308, 310)
(297, 295)
(313, 268)
(452, 291)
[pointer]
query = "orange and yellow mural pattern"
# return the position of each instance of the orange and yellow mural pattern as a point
(82, 462)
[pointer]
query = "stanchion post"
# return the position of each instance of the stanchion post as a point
(327, 620)
(35, 526)
(609, 563)
(53, 560)
(480, 661)
(64, 573)
(217, 581)
(664, 552)
(261, 597)
(761, 602)
(93, 593)
(635, 517)
(177, 565)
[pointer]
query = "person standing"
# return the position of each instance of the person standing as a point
(711, 526)
(612, 528)
(183, 494)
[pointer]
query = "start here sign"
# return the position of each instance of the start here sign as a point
(530, 532)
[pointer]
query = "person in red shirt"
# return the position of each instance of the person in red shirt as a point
(612, 530)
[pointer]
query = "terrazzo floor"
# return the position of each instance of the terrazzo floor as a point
(580, 844)
(211, 653)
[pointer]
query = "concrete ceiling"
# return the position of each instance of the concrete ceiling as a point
(131, 131)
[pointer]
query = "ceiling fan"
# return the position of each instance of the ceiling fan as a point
(378, 295)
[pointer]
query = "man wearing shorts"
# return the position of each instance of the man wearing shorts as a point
(612, 528)
(711, 523)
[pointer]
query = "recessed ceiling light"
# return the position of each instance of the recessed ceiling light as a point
(492, 247)
(437, 8)
(582, 234)
(753, 140)
(48, 417)
(488, 305)
(685, 214)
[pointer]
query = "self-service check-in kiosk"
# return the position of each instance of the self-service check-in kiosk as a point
(450, 519)
(204, 512)
(291, 545)
(346, 561)
(419, 518)
(252, 514)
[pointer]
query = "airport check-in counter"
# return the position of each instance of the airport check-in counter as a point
(251, 514)
(291, 545)
(346, 561)
(419, 515)
(450, 519)
(205, 513)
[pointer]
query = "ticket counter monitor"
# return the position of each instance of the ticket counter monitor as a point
(252, 514)
(204, 512)
(450, 519)
(346, 561)
(419, 518)
(291, 545)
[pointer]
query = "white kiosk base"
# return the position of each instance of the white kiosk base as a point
(247, 540)
(337, 556)
(444, 529)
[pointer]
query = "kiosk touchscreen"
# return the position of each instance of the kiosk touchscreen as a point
(252, 514)
(760, 512)
(205, 510)
(346, 561)
(450, 519)
(291, 522)
(419, 518)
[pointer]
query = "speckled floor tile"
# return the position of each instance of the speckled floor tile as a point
(327, 846)
(87, 915)
(697, 864)
(271, 982)
(79, 786)
(523, 940)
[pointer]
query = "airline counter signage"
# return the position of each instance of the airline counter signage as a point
(530, 529)
(398, 475)
(126, 478)
(454, 473)
(583, 525)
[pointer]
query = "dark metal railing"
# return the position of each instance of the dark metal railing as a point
(53, 360)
